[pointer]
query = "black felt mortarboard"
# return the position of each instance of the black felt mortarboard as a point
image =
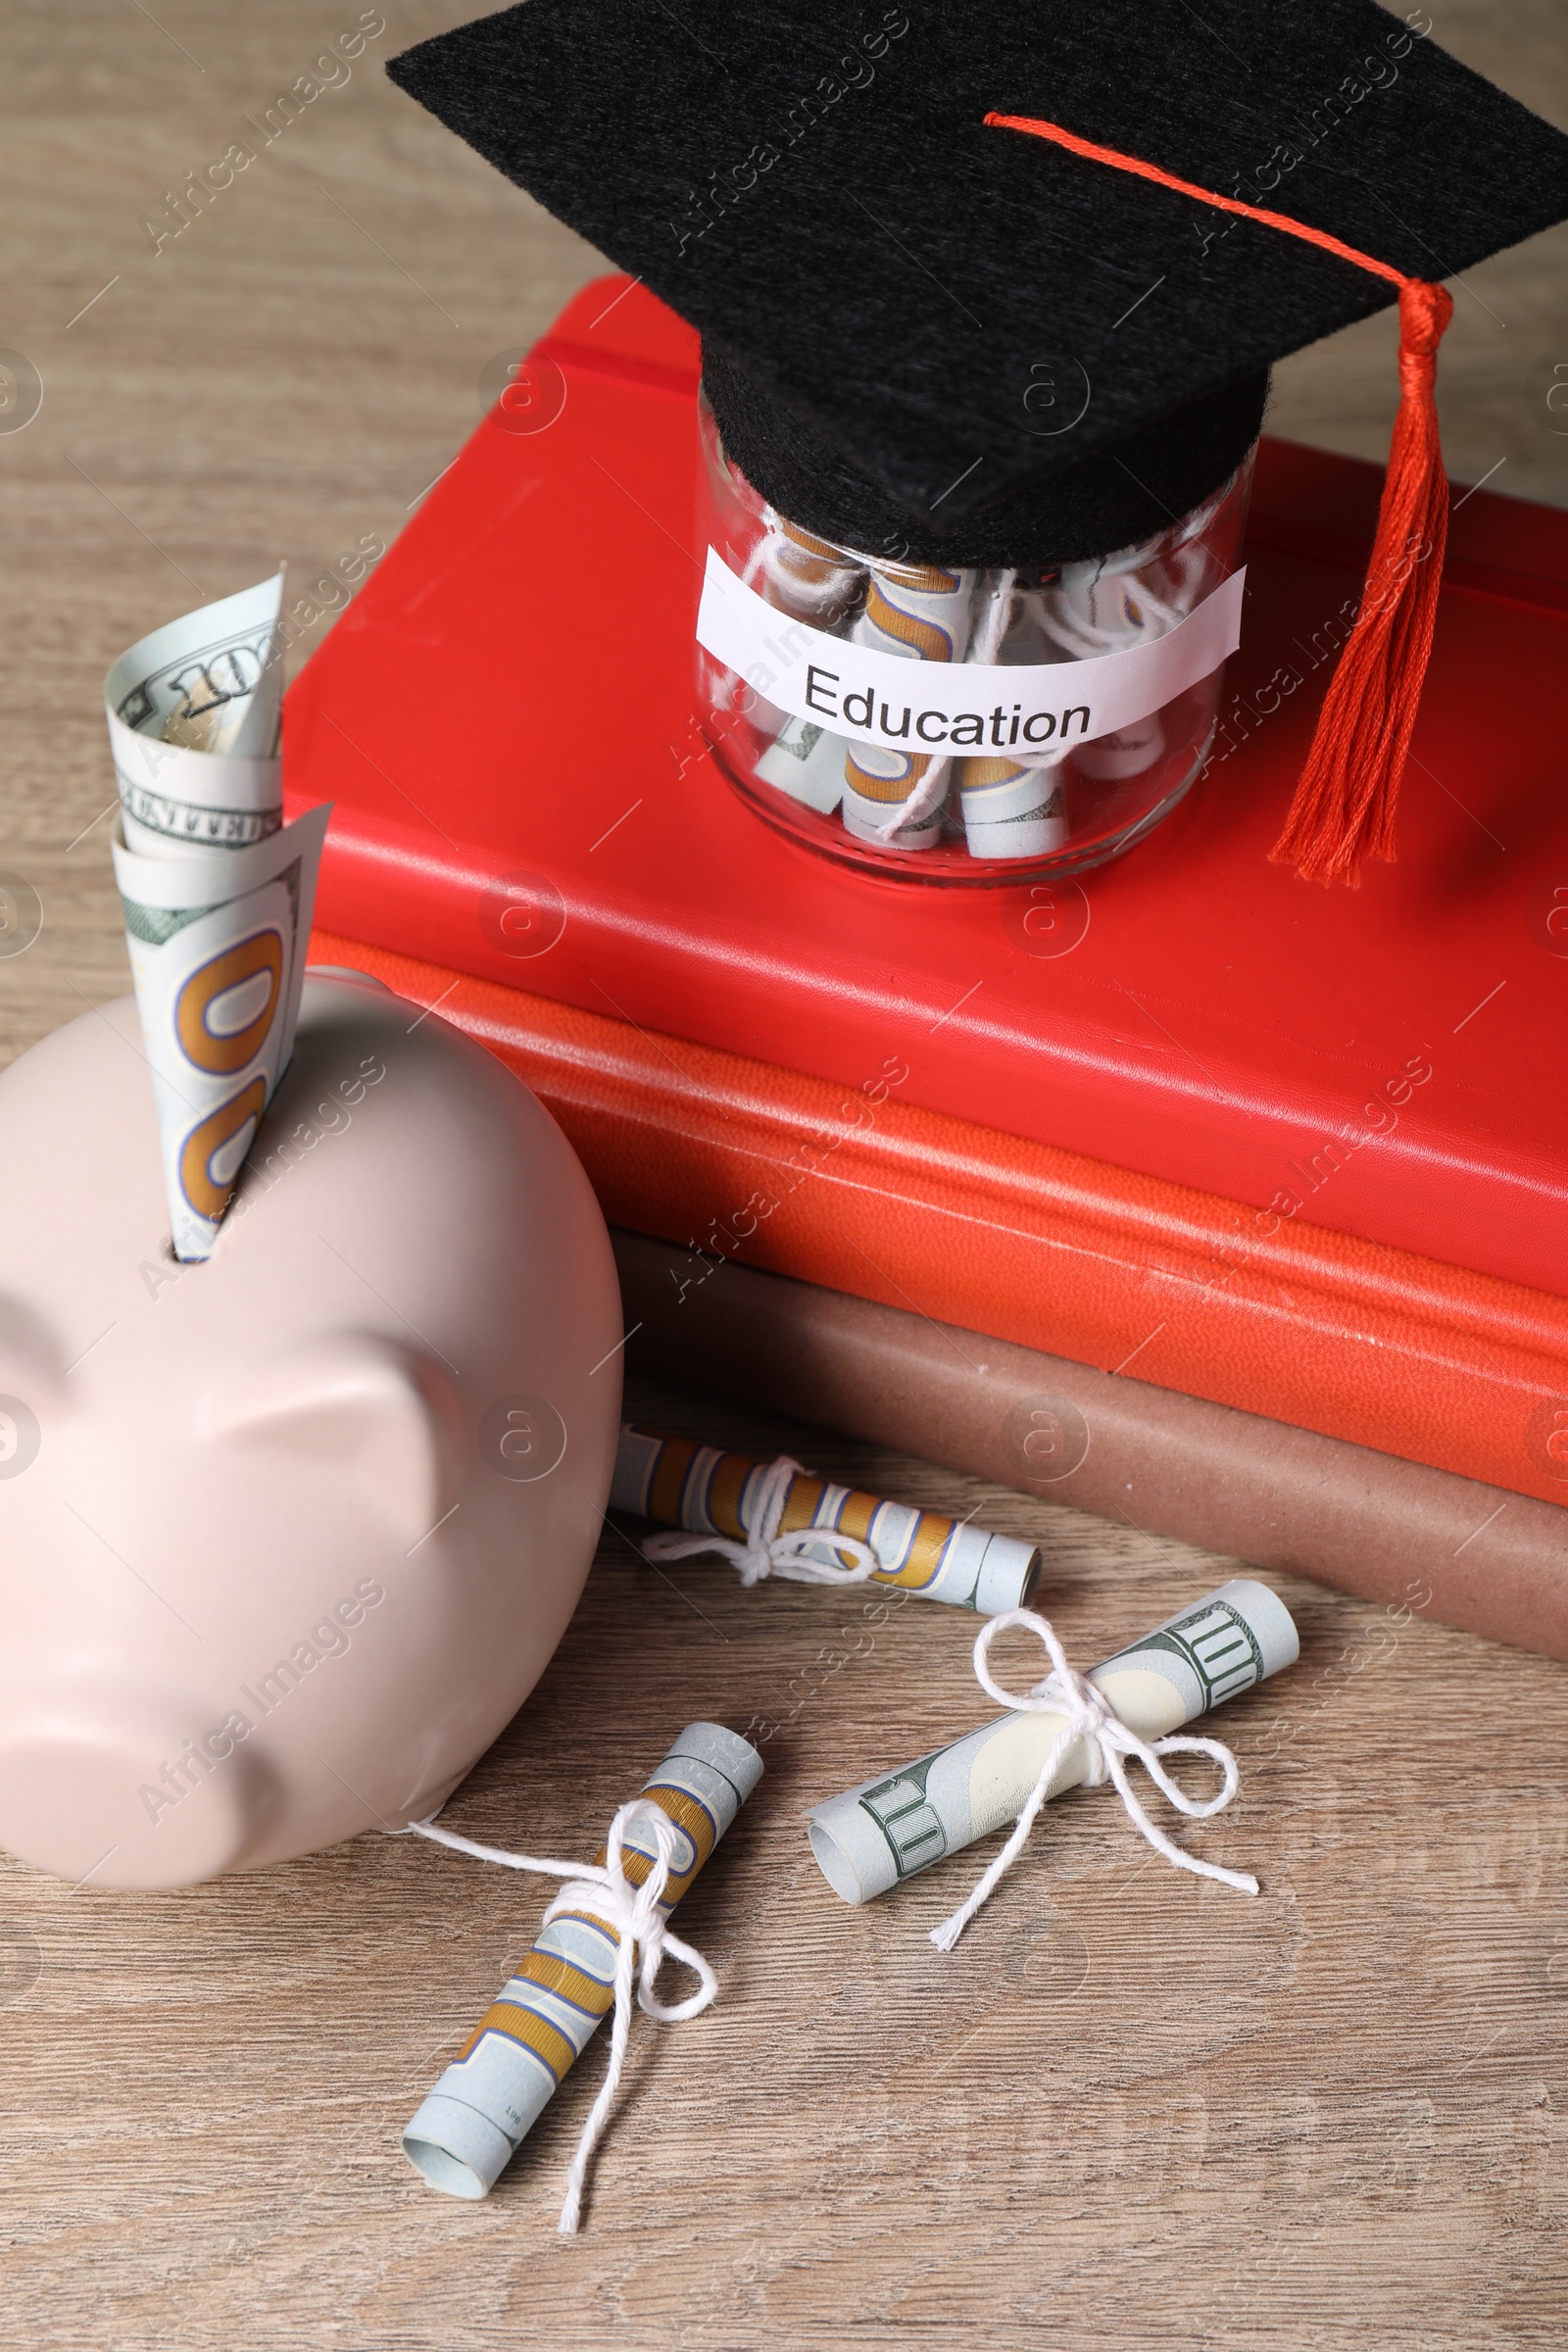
(925, 332)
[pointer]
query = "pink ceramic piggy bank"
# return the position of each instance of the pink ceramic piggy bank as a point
(286, 1536)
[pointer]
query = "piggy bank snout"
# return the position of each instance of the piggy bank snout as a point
(126, 1796)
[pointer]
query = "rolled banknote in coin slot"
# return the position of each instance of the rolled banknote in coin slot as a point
(218, 941)
(194, 713)
(710, 1492)
(217, 892)
(891, 1828)
(1012, 811)
(542, 2020)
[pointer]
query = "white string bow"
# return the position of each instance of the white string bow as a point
(605, 1892)
(766, 1553)
(1091, 1717)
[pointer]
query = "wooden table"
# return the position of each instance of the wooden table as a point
(1132, 2109)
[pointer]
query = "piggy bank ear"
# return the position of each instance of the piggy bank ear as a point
(360, 1404)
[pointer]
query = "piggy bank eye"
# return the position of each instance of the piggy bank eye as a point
(378, 1412)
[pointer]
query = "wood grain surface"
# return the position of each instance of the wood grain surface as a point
(1132, 2109)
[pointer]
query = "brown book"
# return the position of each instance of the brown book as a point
(1467, 1554)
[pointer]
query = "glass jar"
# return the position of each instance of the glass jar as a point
(998, 807)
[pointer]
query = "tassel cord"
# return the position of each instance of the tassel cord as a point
(1343, 807)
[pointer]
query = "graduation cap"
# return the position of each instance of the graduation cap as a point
(1003, 284)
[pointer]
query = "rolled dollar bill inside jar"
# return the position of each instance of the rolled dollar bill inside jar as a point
(924, 613)
(1012, 811)
(890, 1827)
(806, 762)
(805, 575)
(1120, 601)
(813, 582)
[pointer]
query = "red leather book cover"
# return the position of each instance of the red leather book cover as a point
(505, 720)
(862, 1191)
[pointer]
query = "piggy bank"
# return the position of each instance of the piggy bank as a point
(286, 1536)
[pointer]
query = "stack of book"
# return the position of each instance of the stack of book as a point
(1282, 1171)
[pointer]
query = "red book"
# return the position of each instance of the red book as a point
(859, 1190)
(504, 719)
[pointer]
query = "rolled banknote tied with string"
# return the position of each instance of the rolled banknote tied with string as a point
(924, 613)
(891, 1828)
(216, 891)
(1011, 810)
(1122, 600)
(806, 762)
(810, 580)
(807, 576)
(1129, 597)
(876, 784)
(1098, 608)
(542, 2020)
(716, 1495)
(1126, 752)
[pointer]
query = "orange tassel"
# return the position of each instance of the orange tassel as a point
(1345, 803)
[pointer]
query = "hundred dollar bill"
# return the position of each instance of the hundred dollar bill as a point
(216, 891)
(888, 1828)
(924, 613)
(1120, 601)
(1011, 810)
(810, 580)
(703, 1489)
(807, 576)
(1126, 752)
(542, 2020)
(194, 717)
(807, 763)
(218, 941)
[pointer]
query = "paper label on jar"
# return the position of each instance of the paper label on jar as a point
(1029, 709)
